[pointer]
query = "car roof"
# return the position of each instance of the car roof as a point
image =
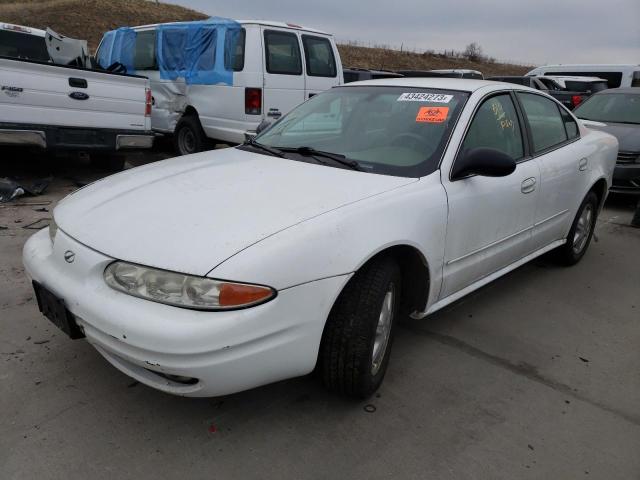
(631, 90)
(22, 29)
(266, 23)
(462, 84)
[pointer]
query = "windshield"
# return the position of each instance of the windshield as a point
(611, 107)
(397, 131)
(23, 45)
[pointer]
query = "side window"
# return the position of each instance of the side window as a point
(234, 42)
(569, 124)
(282, 53)
(547, 126)
(319, 56)
(495, 125)
(145, 53)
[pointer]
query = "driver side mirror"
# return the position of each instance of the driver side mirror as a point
(486, 162)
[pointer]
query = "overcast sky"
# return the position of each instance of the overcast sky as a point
(526, 31)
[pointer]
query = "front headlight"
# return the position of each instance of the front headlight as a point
(53, 229)
(182, 290)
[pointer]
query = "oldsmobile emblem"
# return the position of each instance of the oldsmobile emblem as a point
(69, 256)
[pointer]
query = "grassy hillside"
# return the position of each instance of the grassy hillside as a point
(89, 19)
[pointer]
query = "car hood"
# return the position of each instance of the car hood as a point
(628, 135)
(189, 214)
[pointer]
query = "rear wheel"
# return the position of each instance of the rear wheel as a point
(189, 137)
(356, 343)
(581, 232)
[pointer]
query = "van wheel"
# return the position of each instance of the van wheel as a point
(110, 162)
(189, 137)
(581, 232)
(356, 343)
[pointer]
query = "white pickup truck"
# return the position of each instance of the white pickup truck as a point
(62, 107)
(274, 67)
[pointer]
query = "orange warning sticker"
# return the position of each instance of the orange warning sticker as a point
(432, 114)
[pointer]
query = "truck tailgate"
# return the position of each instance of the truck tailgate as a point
(41, 93)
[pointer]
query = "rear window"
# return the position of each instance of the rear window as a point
(319, 56)
(282, 52)
(23, 45)
(586, 87)
(613, 78)
(545, 121)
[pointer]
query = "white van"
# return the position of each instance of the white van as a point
(276, 66)
(616, 75)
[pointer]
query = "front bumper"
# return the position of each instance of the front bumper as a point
(180, 351)
(626, 179)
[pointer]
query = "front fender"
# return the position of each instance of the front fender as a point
(340, 241)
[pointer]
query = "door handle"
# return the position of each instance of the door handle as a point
(528, 185)
(77, 82)
(582, 164)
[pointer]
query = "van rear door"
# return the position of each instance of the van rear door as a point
(284, 74)
(321, 64)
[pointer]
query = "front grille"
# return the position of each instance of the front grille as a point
(628, 157)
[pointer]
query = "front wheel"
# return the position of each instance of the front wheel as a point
(581, 232)
(357, 339)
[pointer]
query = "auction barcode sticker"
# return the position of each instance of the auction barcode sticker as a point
(425, 97)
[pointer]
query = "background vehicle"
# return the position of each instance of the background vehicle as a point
(444, 73)
(360, 74)
(275, 66)
(616, 75)
(570, 91)
(413, 194)
(617, 112)
(28, 43)
(47, 105)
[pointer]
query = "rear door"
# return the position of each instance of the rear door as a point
(284, 85)
(563, 163)
(321, 65)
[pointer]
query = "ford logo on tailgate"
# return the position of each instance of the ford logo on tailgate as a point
(79, 95)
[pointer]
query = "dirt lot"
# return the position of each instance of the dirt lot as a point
(534, 376)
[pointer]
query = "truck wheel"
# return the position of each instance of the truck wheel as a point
(189, 137)
(110, 162)
(581, 232)
(357, 339)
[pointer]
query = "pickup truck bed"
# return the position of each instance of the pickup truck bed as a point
(64, 107)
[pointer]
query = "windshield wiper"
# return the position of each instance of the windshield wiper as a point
(312, 152)
(273, 151)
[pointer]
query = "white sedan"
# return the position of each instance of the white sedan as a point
(300, 250)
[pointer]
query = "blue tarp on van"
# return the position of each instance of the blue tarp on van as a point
(118, 46)
(194, 51)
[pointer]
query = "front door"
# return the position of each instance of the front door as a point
(284, 72)
(490, 218)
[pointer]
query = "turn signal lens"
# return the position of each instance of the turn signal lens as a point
(180, 290)
(232, 294)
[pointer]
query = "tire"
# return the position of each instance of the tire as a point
(189, 137)
(110, 162)
(581, 232)
(349, 342)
